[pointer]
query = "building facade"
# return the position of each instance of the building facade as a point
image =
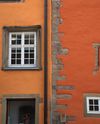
(23, 70)
(76, 69)
(49, 62)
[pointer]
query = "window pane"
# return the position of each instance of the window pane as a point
(31, 50)
(31, 61)
(32, 36)
(13, 35)
(26, 37)
(26, 50)
(18, 55)
(26, 55)
(13, 39)
(26, 41)
(18, 42)
(90, 101)
(19, 39)
(13, 42)
(13, 50)
(18, 50)
(91, 108)
(26, 61)
(13, 61)
(13, 56)
(31, 55)
(18, 61)
(19, 36)
(96, 102)
(96, 108)
(31, 41)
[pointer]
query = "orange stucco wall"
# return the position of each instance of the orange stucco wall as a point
(81, 27)
(49, 19)
(27, 13)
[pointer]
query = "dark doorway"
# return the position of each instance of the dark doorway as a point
(20, 111)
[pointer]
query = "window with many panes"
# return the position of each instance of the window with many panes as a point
(93, 105)
(21, 48)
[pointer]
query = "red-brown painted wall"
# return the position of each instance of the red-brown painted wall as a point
(81, 27)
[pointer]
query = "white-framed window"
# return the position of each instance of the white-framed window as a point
(22, 49)
(93, 105)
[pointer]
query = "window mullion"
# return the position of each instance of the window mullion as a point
(22, 50)
(9, 50)
(35, 48)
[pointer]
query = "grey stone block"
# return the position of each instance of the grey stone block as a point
(63, 96)
(61, 78)
(61, 107)
(65, 87)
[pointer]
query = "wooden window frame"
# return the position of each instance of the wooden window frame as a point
(5, 55)
(20, 96)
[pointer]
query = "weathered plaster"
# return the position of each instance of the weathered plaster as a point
(57, 49)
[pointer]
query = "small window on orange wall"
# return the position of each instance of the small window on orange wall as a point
(93, 105)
